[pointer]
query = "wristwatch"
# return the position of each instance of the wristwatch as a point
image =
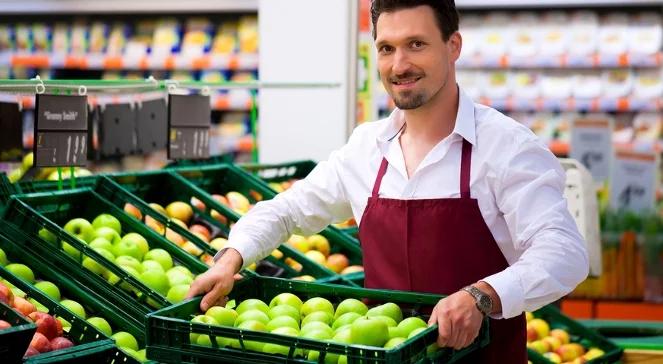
(484, 302)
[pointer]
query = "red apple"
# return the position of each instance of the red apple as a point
(220, 218)
(23, 306)
(6, 295)
(133, 211)
(196, 203)
(4, 325)
(58, 323)
(61, 343)
(46, 324)
(532, 335)
(40, 343)
(221, 199)
(197, 228)
(30, 352)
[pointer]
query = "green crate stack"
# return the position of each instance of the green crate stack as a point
(168, 337)
(579, 334)
(97, 302)
(628, 334)
(213, 160)
(24, 187)
(225, 178)
(102, 354)
(165, 186)
(14, 340)
(50, 210)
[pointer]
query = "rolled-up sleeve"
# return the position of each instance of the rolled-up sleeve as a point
(554, 259)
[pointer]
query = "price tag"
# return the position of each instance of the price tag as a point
(61, 131)
(633, 181)
(117, 130)
(189, 119)
(11, 138)
(151, 126)
(591, 144)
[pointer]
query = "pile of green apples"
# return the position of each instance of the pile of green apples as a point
(131, 252)
(50, 329)
(350, 322)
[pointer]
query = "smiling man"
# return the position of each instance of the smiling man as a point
(451, 197)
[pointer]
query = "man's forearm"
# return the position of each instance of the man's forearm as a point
(488, 289)
(230, 259)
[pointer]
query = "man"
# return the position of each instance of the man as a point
(451, 197)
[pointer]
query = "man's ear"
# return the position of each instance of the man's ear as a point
(455, 44)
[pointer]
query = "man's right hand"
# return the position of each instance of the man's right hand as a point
(218, 281)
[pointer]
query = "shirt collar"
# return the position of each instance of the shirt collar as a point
(465, 125)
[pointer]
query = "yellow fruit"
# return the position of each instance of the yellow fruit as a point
(319, 243)
(306, 278)
(277, 254)
(180, 210)
(316, 256)
(300, 243)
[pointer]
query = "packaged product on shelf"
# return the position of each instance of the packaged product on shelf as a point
(138, 44)
(555, 35)
(41, 37)
(587, 84)
(6, 37)
(525, 84)
(562, 126)
(212, 76)
(495, 84)
(617, 82)
(79, 40)
(613, 34)
(470, 81)
(60, 38)
(134, 75)
(117, 39)
(166, 38)
(239, 98)
(111, 75)
(556, 84)
(182, 76)
(5, 72)
(248, 34)
(526, 35)
(648, 83)
(98, 36)
(225, 40)
(470, 28)
(497, 33)
(584, 32)
(197, 38)
(23, 42)
(623, 132)
(645, 33)
(647, 127)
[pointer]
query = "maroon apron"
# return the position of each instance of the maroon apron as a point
(438, 246)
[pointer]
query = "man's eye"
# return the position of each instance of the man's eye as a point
(417, 44)
(385, 49)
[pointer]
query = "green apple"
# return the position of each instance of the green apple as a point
(415, 332)
(396, 332)
(270, 348)
(107, 233)
(321, 316)
(410, 324)
(72, 251)
(129, 261)
(224, 316)
(101, 243)
(66, 325)
(252, 304)
(106, 220)
(345, 319)
(49, 288)
(101, 324)
(21, 271)
(317, 304)
(48, 236)
(286, 299)
(177, 293)
(128, 247)
(124, 339)
(341, 337)
(251, 315)
(80, 228)
(153, 265)
(392, 343)
(369, 331)
(350, 305)
(141, 355)
(284, 310)
(317, 334)
(204, 340)
(387, 320)
(95, 267)
(175, 277)
(254, 326)
(156, 280)
(203, 320)
(316, 326)
(389, 309)
(114, 279)
(343, 359)
(74, 307)
(130, 352)
(161, 256)
(38, 306)
(180, 269)
(341, 328)
(3, 258)
(431, 348)
(282, 321)
(138, 240)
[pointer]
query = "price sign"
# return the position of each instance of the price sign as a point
(189, 119)
(61, 131)
(151, 126)
(591, 144)
(11, 138)
(633, 181)
(117, 129)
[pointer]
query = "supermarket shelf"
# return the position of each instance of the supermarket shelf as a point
(561, 148)
(125, 6)
(563, 61)
(482, 4)
(612, 310)
(241, 61)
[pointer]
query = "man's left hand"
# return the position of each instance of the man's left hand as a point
(458, 320)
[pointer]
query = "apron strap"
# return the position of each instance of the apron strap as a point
(465, 164)
(378, 180)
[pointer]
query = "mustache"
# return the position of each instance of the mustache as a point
(405, 76)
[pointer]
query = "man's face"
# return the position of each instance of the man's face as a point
(414, 61)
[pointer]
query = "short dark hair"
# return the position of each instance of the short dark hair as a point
(445, 12)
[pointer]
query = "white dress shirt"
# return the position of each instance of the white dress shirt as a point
(517, 181)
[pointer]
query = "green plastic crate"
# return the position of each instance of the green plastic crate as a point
(103, 354)
(213, 160)
(579, 333)
(628, 334)
(168, 329)
(24, 187)
(98, 302)
(51, 210)
(165, 186)
(223, 179)
(14, 341)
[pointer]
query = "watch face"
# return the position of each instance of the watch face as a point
(485, 303)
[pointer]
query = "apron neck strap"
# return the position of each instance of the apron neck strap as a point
(378, 179)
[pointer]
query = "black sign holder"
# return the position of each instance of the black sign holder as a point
(189, 120)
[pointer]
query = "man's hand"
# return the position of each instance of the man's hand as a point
(458, 320)
(218, 281)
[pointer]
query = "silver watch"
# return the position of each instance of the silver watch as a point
(484, 302)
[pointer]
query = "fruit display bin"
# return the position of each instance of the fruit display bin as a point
(213, 160)
(628, 334)
(102, 354)
(225, 178)
(14, 340)
(168, 329)
(43, 214)
(579, 333)
(96, 301)
(165, 186)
